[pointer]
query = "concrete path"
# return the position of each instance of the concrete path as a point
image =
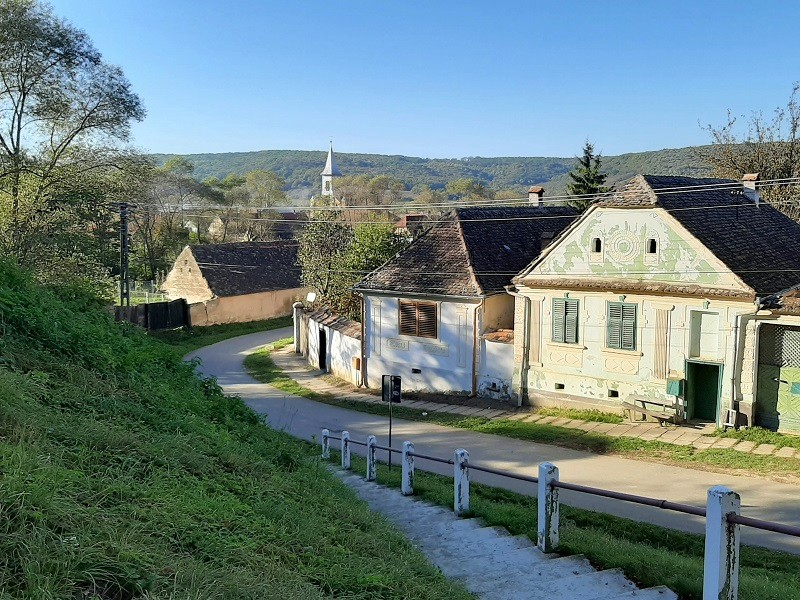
(305, 419)
(491, 563)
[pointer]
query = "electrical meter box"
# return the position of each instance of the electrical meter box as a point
(675, 387)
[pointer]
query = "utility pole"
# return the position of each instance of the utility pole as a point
(124, 248)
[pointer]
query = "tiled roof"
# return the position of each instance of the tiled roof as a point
(472, 252)
(757, 243)
(326, 316)
(248, 267)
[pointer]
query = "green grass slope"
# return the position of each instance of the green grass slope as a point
(124, 476)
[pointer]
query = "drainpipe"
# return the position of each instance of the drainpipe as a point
(526, 334)
(363, 343)
(475, 349)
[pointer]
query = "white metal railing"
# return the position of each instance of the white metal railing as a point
(722, 511)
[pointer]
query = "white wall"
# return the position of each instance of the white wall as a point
(588, 370)
(496, 368)
(445, 364)
(340, 351)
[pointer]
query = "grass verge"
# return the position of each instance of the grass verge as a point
(263, 368)
(123, 476)
(188, 339)
(648, 554)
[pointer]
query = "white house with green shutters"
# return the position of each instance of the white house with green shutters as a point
(655, 297)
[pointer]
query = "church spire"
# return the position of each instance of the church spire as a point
(329, 172)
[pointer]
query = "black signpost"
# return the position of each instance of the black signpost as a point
(390, 389)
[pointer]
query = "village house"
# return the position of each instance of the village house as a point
(236, 282)
(438, 314)
(656, 298)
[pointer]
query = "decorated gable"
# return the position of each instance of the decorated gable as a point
(646, 245)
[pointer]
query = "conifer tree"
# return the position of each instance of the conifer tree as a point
(586, 178)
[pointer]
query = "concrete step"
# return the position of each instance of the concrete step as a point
(490, 562)
(654, 593)
(513, 567)
(588, 586)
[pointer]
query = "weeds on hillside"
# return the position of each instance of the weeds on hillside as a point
(124, 476)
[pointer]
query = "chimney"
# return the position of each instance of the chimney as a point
(535, 194)
(749, 187)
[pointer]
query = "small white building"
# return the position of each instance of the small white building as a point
(435, 313)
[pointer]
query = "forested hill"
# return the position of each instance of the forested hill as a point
(301, 169)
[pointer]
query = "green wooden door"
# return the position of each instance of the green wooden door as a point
(778, 384)
(778, 398)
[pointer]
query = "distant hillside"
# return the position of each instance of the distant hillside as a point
(301, 169)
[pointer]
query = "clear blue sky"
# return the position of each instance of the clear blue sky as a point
(443, 78)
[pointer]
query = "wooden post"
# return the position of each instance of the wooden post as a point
(547, 518)
(721, 562)
(326, 444)
(461, 482)
(372, 464)
(345, 450)
(407, 481)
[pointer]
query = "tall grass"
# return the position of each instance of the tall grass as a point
(124, 476)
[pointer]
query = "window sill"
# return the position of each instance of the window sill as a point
(618, 352)
(566, 346)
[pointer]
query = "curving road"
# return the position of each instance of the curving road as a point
(305, 419)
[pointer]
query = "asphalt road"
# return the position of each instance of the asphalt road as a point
(305, 419)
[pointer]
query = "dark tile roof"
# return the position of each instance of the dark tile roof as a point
(248, 267)
(759, 244)
(471, 252)
(326, 316)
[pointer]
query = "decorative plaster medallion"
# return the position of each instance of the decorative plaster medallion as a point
(623, 246)
(395, 344)
(436, 349)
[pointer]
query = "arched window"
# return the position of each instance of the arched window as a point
(597, 245)
(652, 246)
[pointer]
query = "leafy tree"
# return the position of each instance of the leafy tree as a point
(265, 188)
(466, 189)
(586, 178)
(334, 257)
(323, 254)
(769, 146)
(62, 112)
(428, 196)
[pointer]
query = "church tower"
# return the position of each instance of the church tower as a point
(328, 173)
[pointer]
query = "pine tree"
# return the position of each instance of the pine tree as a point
(586, 178)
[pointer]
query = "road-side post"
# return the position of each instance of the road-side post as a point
(326, 444)
(547, 505)
(721, 561)
(407, 481)
(461, 482)
(372, 463)
(345, 450)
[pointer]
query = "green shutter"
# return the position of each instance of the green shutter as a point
(621, 330)
(558, 319)
(629, 327)
(614, 326)
(571, 321)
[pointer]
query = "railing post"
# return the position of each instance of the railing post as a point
(407, 481)
(372, 466)
(547, 518)
(461, 482)
(326, 444)
(345, 450)
(721, 562)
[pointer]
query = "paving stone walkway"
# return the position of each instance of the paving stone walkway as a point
(490, 562)
(296, 367)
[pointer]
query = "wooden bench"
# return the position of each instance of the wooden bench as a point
(663, 416)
